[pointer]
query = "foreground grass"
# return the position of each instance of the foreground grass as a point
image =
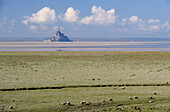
(65, 69)
(46, 69)
(50, 100)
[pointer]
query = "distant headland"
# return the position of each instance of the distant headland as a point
(58, 37)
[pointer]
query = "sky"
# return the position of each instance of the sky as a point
(85, 18)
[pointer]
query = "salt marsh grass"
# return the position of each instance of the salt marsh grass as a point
(47, 99)
(39, 69)
(52, 69)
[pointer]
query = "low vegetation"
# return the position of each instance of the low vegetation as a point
(85, 81)
(53, 99)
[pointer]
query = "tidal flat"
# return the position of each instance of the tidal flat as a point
(86, 46)
(26, 69)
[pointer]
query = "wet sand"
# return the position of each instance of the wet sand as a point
(83, 46)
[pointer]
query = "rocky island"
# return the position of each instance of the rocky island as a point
(58, 37)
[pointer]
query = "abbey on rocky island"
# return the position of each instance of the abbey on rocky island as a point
(58, 37)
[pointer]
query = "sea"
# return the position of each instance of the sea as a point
(86, 44)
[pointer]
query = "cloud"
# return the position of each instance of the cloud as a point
(131, 20)
(154, 27)
(134, 19)
(153, 20)
(71, 15)
(142, 25)
(25, 21)
(149, 28)
(87, 20)
(100, 17)
(33, 27)
(43, 16)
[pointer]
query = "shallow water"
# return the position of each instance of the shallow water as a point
(85, 46)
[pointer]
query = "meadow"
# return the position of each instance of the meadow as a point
(51, 100)
(72, 70)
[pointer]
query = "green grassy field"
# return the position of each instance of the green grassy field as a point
(52, 99)
(48, 69)
(37, 69)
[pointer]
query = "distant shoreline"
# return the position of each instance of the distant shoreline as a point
(93, 39)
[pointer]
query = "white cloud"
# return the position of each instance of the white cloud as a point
(55, 28)
(153, 20)
(100, 16)
(33, 27)
(25, 21)
(71, 15)
(154, 27)
(131, 20)
(87, 20)
(149, 28)
(134, 19)
(43, 16)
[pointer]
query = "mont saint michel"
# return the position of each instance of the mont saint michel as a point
(58, 37)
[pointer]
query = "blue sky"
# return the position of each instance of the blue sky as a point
(85, 18)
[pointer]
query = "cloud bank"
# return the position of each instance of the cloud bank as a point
(98, 16)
